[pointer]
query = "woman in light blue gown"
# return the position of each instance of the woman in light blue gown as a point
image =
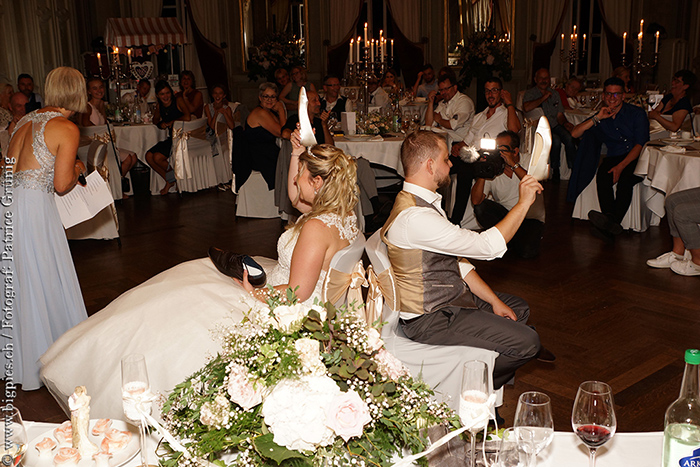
(41, 294)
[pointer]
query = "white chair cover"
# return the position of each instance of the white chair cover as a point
(100, 133)
(255, 199)
(191, 156)
(439, 366)
(346, 276)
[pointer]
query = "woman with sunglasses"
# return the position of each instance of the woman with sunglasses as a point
(262, 128)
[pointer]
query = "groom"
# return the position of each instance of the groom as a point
(443, 301)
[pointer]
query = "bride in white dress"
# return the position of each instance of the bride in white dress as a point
(170, 317)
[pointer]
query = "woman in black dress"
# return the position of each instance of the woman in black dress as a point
(169, 110)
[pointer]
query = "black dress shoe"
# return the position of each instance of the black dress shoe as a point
(604, 223)
(232, 265)
(546, 356)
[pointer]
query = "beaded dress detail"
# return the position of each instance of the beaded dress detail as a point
(348, 230)
(41, 178)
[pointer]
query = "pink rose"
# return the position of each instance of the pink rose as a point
(347, 415)
(374, 339)
(389, 366)
(242, 390)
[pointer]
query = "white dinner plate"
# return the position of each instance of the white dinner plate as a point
(358, 137)
(32, 459)
(678, 141)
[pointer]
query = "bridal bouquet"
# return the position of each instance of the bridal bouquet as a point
(300, 386)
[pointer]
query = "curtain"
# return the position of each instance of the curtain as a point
(549, 14)
(343, 17)
(616, 20)
(141, 8)
(37, 36)
(505, 14)
(279, 9)
(206, 34)
(407, 17)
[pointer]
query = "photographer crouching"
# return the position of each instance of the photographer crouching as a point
(498, 174)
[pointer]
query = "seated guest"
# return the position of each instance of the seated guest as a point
(569, 93)
(262, 128)
(378, 97)
(625, 75)
(25, 85)
(391, 83)
(334, 103)
(319, 121)
(140, 95)
(96, 116)
(169, 110)
(676, 103)
(683, 213)
(218, 112)
(289, 95)
(281, 78)
(494, 198)
(192, 97)
(499, 116)
(443, 301)
(624, 129)
(6, 92)
(18, 102)
(544, 97)
(426, 82)
(455, 111)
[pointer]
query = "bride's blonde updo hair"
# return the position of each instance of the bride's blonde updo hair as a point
(339, 193)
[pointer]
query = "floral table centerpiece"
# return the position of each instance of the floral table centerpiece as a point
(300, 386)
(374, 123)
(280, 50)
(484, 56)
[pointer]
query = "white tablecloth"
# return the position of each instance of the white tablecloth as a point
(666, 173)
(624, 449)
(386, 153)
(138, 138)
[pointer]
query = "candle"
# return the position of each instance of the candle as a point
(128, 54)
(392, 49)
(350, 55)
(562, 42)
(656, 47)
(384, 47)
(639, 41)
(357, 49)
(641, 26)
(366, 41)
(99, 59)
(624, 42)
(584, 42)
(371, 51)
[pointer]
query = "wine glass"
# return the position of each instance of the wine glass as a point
(136, 395)
(473, 407)
(14, 438)
(534, 415)
(517, 449)
(593, 417)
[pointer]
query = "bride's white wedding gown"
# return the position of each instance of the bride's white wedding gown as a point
(169, 319)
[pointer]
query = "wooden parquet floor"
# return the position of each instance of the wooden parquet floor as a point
(599, 308)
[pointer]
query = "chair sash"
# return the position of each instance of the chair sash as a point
(103, 137)
(338, 283)
(381, 289)
(180, 159)
(97, 159)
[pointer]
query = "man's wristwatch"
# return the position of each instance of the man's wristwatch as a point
(513, 167)
(596, 120)
(507, 105)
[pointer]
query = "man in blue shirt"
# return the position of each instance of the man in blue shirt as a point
(624, 129)
(542, 95)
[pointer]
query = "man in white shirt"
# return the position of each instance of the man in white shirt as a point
(454, 113)
(493, 198)
(443, 301)
(377, 95)
(499, 116)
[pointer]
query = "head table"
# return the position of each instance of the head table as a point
(624, 449)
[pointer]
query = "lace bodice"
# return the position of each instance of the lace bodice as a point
(288, 240)
(41, 178)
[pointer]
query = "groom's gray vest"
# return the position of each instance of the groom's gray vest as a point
(425, 281)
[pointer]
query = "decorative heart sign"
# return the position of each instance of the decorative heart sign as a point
(142, 70)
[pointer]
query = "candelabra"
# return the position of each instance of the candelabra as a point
(637, 63)
(571, 54)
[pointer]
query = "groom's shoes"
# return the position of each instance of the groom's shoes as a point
(232, 265)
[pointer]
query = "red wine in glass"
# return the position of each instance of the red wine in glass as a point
(593, 436)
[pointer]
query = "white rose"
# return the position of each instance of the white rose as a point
(295, 411)
(321, 311)
(310, 356)
(374, 339)
(347, 415)
(242, 389)
(289, 317)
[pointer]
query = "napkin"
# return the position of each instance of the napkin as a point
(376, 138)
(674, 149)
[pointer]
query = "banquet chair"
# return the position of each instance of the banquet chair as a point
(439, 366)
(104, 225)
(224, 138)
(254, 198)
(346, 275)
(190, 157)
(101, 133)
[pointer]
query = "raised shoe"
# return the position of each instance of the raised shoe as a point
(232, 265)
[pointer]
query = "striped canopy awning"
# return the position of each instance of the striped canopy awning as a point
(134, 32)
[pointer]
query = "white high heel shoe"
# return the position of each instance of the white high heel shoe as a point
(307, 133)
(539, 161)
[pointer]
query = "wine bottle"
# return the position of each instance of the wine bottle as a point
(682, 423)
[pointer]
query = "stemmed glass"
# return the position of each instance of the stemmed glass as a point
(534, 415)
(136, 395)
(476, 389)
(14, 439)
(517, 449)
(593, 417)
